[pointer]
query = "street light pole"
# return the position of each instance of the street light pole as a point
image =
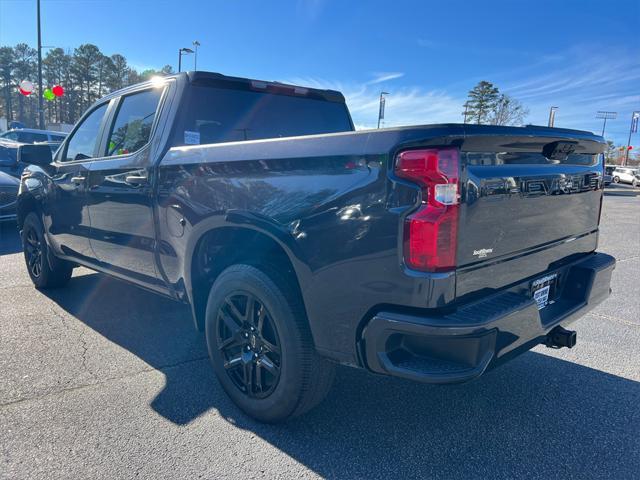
(180, 53)
(552, 116)
(632, 129)
(196, 44)
(40, 98)
(605, 116)
(381, 108)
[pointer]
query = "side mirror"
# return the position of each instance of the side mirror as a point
(35, 154)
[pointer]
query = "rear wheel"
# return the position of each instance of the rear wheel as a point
(45, 270)
(261, 347)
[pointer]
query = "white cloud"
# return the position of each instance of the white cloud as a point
(579, 81)
(380, 77)
(404, 105)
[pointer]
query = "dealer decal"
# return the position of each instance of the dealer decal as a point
(483, 252)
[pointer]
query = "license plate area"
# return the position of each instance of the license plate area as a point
(543, 290)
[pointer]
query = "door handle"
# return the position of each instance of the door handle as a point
(136, 179)
(78, 179)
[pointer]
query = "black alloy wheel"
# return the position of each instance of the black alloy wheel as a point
(33, 249)
(260, 344)
(45, 269)
(248, 340)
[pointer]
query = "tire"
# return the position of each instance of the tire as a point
(45, 270)
(616, 179)
(265, 360)
(634, 183)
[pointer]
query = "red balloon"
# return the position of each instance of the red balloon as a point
(58, 91)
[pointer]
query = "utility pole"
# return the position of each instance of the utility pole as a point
(552, 116)
(196, 44)
(40, 97)
(605, 116)
(381, 109)
(632, 129)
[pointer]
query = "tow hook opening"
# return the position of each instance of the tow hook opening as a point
(560, 337)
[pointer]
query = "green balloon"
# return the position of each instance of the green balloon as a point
(48, 94)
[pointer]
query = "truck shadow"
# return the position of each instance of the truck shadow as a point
(537, 416)
(617, 190)
(9, 238)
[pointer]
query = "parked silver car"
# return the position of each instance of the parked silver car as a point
(32, 135)
(627, 175)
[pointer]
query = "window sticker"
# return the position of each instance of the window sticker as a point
(191, 138)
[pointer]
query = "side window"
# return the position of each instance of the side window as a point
(83, 142)
(57, 138)
(132, 126)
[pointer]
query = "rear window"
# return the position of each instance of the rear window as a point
(216, 115)
(10, 135)
(526, 158)
(31, 137)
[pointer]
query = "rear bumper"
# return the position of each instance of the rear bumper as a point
(461, 346)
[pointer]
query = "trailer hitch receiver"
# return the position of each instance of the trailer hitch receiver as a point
(560, 337)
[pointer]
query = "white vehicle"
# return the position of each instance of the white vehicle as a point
(32, 135)
(627, 175)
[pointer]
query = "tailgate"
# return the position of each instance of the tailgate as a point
(528, 203)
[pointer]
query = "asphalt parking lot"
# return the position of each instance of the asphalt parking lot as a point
(104, 380)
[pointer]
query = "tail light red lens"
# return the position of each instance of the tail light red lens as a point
(431, 232)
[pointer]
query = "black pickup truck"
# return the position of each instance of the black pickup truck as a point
(429, 252)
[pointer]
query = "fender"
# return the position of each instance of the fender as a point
(249, 221)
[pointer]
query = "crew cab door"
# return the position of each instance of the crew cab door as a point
(67, 217)
(119, 192)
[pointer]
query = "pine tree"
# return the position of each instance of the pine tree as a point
(86, 75)
(482, 102)
(6, 81)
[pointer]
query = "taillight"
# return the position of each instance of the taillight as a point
(430, 233)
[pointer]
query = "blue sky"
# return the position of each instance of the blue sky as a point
(581, 56)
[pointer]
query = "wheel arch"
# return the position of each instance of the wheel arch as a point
(27, 203)
(220, 245)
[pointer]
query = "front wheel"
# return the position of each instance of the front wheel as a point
(261, 347)
(45, 270)
(616, 179)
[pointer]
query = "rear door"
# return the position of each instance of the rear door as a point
(119, 190)
(67, 216)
